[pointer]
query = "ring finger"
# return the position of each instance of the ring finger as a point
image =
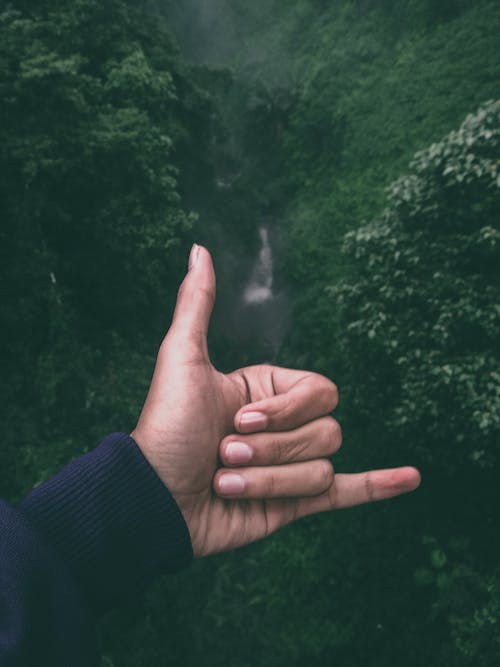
(308, 478)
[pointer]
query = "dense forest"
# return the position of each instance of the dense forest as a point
(365, 137)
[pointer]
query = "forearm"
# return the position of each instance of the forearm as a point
(96, 532)
(45, 618)
(112, 521)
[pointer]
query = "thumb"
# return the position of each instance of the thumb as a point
(196, 298)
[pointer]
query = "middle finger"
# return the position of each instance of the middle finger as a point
(317, 439)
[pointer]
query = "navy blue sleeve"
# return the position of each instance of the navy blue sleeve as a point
(95, 533)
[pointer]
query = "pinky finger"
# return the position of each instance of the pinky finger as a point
(359, 488)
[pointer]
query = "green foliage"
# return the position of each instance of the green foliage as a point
(474, 622)
(376, 86)
(94, 109)
(467, 603)
(422, 309)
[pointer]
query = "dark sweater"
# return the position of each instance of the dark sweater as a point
(94, 534)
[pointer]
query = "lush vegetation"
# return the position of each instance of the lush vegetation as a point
(96, 108)
(343, 124)
(421, 309)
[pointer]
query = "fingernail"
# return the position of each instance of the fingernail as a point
(238, 452)
(231, 484)
(193, 255)
(253, 421)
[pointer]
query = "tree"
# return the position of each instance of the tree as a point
(420, 327)
(97, 113)
(420, 313)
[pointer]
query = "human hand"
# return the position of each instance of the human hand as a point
(269, 427)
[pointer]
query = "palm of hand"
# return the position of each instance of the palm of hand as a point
(190, 409)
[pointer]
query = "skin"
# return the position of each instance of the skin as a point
(247, 452)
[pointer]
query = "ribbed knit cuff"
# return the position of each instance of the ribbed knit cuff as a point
(112, 520)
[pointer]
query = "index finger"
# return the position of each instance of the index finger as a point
(299, 397)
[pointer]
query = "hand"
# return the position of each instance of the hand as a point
(268, 427)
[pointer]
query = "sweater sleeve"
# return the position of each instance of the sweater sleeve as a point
(93, 534)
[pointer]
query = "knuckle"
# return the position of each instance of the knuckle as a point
(299, 450)
(270, 486)
(282, 409)
(207, 293)
(333, 496)
(328, 391)
(182, 290)
(281, 453)
(325, 474)
(192, 346)
(333, 435)
(163, 349)
(369, 487)
(331, 394)
(289, 405)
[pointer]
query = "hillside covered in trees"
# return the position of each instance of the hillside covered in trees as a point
(366, 136)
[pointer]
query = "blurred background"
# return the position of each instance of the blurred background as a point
(341, 160)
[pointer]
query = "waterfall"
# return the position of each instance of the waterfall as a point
(260, 285)
(259, 317)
